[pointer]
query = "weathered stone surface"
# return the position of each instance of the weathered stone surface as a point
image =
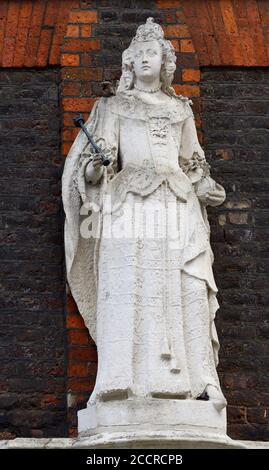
(135, 440)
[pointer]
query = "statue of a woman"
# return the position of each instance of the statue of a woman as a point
(149, 301)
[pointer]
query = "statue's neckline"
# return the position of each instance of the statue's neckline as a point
(136, 96)
(131, 105)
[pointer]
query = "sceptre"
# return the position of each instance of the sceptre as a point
(79, 122)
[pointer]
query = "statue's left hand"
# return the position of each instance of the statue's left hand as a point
(216, 196)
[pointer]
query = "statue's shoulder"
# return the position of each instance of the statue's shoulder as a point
(124, 97)
(105, 105)
(183, 104)
(125, 103)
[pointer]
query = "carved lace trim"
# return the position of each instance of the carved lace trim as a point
(144, 181)
(196, 162)
(131, 106)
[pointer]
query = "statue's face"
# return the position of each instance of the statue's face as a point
(147, 60)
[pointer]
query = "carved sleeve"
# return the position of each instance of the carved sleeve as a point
(192, 157)
(104, 128)
(193, 162)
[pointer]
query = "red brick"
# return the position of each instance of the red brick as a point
(70, 59)
(72, 30)
(86, 31)
(71, 306)
(82, 354)
(180, 17)
(8, 52)
(60, 29)
(42, 57)
(237, 51)
(74, 321)
(81, 45)
(3, 13)
(253, 12)
(50, 401)
(186, 45)
(68, 117)
(260, 48)
(34, 33)
(168, 3)
(21, 40)
(200, 47)
(69, 135)
(50, 13)
(71, 89)
(191, 75)
(223, 46)
(80, 385)
(229, 17)
(3, 18)
(187, 90)
(57, 43)
(78, 104)
(198, 121)
(240, 9)
(78, 337)
(82, 74)
(10, 34)
(2, 35)
(215, 14)
(83, 17)
(213, 48)
(249, 49)
(187, 60)
(242, 22)
(176, 44)
(78, 370)
(170, 17)
(12, 19)
(189, 9)
(86, 60)
(204, 18)
(65, 147)
(77, 398)
(264, 12)
(176, 31)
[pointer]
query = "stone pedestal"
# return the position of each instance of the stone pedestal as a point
(154, 423)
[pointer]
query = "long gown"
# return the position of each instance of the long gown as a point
(149, 301)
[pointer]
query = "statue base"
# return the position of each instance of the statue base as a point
(154, 423)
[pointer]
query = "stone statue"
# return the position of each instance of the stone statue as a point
(148, 300)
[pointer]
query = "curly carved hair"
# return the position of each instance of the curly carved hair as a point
(146, 32)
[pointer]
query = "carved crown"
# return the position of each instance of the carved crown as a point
(149, 30)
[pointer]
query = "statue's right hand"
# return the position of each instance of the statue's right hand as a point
(94, 169)
(97, 161)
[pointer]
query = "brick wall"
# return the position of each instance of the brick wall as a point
(85, 38)
(32, 338)
(32, 31)
(235, 105)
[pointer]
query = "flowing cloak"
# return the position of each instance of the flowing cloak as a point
(82, 254)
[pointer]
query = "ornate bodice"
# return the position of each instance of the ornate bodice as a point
(146, 143)
(150, 135)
